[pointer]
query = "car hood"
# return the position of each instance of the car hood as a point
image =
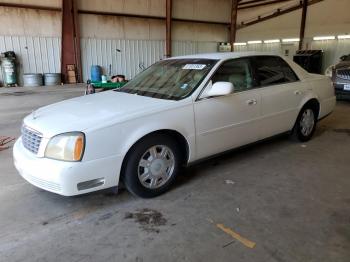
(97, 110)
(342, 65)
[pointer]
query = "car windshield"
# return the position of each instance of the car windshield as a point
(172, 79)
(345, 58)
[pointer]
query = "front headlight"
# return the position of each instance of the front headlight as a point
(67, 147)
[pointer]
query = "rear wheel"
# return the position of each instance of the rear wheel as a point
(152, 166)
(305, 125)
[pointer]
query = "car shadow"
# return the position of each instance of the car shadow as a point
(195, 171)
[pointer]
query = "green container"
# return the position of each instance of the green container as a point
(108, 85)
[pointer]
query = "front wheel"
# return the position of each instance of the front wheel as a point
(305, 125)
(152, 166)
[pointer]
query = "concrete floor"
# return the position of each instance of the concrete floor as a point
(292, 200)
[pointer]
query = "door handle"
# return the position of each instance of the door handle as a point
(251, 102)
(298, 92)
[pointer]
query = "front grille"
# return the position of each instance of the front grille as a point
(31, 139)
(343, 73)
(50, 186)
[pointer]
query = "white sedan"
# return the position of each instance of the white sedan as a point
(177, 111)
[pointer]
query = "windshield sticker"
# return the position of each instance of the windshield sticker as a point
(194, 66)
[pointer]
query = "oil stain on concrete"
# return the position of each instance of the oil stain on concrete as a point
(150, 220)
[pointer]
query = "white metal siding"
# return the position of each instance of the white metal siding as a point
(34, 54)
(134, 56)
(193, 47)
(333, 50)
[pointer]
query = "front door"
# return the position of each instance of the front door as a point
(229, 121)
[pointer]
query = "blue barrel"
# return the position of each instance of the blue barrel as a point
(96, 73)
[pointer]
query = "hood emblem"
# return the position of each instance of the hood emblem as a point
(34, 115)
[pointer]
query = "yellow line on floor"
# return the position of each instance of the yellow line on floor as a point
(235, 235)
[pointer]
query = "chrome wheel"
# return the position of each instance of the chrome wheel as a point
(307, 122)
(156, 166)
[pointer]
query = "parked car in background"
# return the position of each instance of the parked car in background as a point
(177, 111)
(340, 74)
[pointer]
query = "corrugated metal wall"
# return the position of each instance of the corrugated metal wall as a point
(43, 54)
(34, 54)
(184, 48)
(192, 47)
(134, 55)
(274, 47)
(333, 50)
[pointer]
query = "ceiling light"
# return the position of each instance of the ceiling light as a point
(320, 38)
(254, 42)
(239, 44)
(290, 40)
(343, 36)
(272, 41)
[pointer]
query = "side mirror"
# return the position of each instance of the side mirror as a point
(220, 89)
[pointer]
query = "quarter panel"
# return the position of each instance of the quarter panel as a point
(323, 90)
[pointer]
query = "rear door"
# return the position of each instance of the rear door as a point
(281, 94)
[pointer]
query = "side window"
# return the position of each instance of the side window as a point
(272, 70)
(238, 72)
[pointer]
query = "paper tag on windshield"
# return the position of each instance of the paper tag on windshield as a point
(194, 66)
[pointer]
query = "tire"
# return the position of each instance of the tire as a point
(305, 124)
(152, 166)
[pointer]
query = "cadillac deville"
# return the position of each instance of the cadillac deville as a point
(177, 111)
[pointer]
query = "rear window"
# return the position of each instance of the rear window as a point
(273, 70)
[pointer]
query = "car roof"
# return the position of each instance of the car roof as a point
(224, 55)
(302, 74)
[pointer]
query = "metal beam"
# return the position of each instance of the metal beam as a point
(201, 21)
(277, 13)
(233, 27)
(77, 41)
(35, 7)
(257, 4)
(302, 25)
(70, 51)
(169, 4)
(89, 12)
(252, 2)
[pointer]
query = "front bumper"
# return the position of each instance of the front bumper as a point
(340, 92)
(62, 177)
